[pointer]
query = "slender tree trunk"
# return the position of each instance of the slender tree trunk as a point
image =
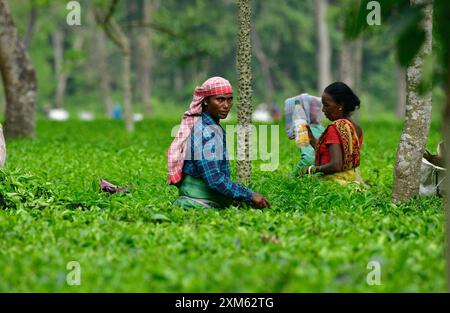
(401, 92)
(115, 33)
(323, 40)
(347, 66)
(358, 65)
(19, 79)
(104, 79)
(178, 80)
(417, 124)
(126, 76)
(351, 64)
(244, 113)
(30, 26)
(265, 66)
(146, 58)
(60, 73)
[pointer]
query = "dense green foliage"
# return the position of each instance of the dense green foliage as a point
(194, 40)
(317, 236)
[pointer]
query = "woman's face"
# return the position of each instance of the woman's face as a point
(219, 106)
(332, 110)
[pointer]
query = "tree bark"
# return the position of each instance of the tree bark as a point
(417, 123)
(19, 79)
(244, 111)
(323, 45)
(401, 92)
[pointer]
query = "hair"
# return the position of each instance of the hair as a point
(343, 95)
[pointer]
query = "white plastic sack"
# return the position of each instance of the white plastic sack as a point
(58, 115)
(431, 179)
(2, 148)
(309, 109)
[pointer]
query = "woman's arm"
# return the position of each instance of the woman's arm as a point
(336, 160)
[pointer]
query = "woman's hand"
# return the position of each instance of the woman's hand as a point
(312, 139)
(307, 170)
(259, 201)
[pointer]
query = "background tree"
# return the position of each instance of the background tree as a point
(115, 33)
(245, 92)
(417, 122)
(411, 37)
(401, 91)
(324, 50)
(19, 79)
(146, 58)
(31, 24)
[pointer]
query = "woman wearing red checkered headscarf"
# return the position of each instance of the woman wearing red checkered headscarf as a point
(197, 158)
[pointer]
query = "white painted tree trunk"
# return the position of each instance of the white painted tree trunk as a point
(244, 166)
(323, 47)
(19, 79)
(414, 137)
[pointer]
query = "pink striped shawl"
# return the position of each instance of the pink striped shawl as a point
(176, 153)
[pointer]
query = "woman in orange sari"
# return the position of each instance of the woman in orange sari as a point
(338, 148)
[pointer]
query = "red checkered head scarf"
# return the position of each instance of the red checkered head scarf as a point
(176, 153)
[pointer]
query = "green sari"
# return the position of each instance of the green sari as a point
(194, 193)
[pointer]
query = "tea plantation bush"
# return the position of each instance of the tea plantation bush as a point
(317, 236)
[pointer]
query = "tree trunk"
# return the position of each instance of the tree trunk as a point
(115, 33)
(126, 76)
(323, 47)
(60, 74)
(19, 79)
(347, 64)
(244, 112)
(30, 26)
(446, 123)
(351, 64)
(104, 79)
(358, 65)
(265, 67)
(417, 124)
(146, 58)
(401, 92)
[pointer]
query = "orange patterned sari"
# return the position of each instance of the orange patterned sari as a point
(350, 144)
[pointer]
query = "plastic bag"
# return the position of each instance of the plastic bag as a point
(432, 179)
(309, 108)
